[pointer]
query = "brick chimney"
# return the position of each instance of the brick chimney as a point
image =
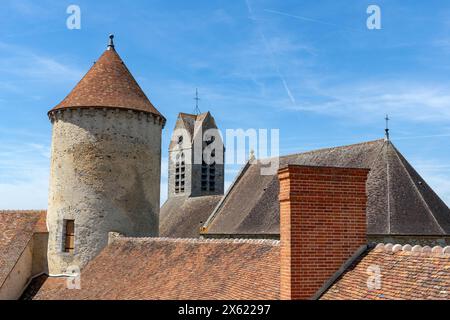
(322, 224)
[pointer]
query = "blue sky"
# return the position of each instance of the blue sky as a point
(309, 68)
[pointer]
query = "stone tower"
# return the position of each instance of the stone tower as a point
(105, 164)
(191, 176)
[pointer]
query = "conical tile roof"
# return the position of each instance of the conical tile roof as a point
(108, 84)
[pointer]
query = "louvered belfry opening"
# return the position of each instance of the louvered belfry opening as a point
(180, 173)
(209, 172)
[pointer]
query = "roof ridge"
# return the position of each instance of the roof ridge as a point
(333, 148)
(436, 251)
(23, 211)
(187, 114)
(388, 186)
(191, 114)
(197, 240)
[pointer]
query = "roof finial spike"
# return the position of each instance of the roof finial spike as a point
(387, 127)
(197, 99)
(111, 42)
(252, 155)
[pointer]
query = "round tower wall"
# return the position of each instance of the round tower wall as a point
(105, 176)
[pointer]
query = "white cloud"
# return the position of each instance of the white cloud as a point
(30, 194)
(440, 184)
(436, 175)
(24, 175)
(24, 64)
(222, 16)
(402, 99)
(443, 44)
(26, 7)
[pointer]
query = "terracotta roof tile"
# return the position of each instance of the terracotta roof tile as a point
(16, 230)
(108, 84)
(163, 268)
(41, 225)
(404, 275)
(195, 269)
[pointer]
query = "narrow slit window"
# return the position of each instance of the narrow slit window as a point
(69, 236)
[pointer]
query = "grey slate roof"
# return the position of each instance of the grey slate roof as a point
(399, 200)
(182, 217)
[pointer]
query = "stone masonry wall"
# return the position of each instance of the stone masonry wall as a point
(105, 175)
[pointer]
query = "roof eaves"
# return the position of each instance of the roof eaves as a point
(332, 148)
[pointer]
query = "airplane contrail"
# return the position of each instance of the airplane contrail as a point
(271, 54)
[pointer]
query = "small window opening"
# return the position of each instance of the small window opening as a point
(69, 236)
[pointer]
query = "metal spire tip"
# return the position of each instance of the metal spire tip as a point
(387, 127)
(111, 42)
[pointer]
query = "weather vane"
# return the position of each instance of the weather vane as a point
(387, 127)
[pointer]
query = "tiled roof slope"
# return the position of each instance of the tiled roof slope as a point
(182, 217)
(108, 84)
(16, 230)
(154, 269)
(399, 200)
(405, 273)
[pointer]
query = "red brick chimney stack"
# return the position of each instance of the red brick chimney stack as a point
(322, 224)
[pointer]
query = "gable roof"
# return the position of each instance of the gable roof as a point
(182, 217)
(187, 269)
(108, 84)
(188, 121)
(16, 231)
(399, 200)
(405, 273)
(192, 123)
